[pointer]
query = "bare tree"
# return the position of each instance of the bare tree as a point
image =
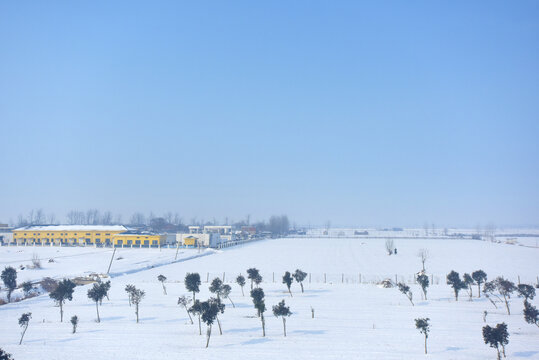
(52, 218)
(137, 219)
(40, 217)
(423, 255)
(389, 246)
(106, 218)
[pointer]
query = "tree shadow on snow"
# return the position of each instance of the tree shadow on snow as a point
(526, 353)
(147, 318)
(256, 341)
(244, 330)
(452, 348)
(111, 318)
(309, 332)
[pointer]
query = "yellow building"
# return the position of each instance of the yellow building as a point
(101, 235)
(134, 239)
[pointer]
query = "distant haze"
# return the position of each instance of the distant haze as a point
(361, 113)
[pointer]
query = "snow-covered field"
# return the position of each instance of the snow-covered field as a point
(351, 321)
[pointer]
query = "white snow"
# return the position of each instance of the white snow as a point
(352, 320)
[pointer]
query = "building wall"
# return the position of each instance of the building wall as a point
(78, 237)
(138, 240)
(206, 240)
(6, 237)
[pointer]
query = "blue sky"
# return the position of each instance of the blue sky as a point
(363, 113)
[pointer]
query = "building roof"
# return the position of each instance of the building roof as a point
(72, 228)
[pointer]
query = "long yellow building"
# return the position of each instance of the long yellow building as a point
(98, 235)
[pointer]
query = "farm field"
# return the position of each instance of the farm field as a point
(352, 320)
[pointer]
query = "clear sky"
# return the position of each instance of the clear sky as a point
(363, 113)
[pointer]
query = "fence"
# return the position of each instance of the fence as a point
(341, 278)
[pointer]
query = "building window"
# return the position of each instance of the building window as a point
(146, 242)
(119, 242)
(154, 242)
(129, 242)
(137, 242)
(97, 240)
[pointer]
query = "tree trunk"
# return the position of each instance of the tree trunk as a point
(284, 326)
(97, 309)
(456, 295)
(410, 298)
(74, 329)
(425, 344)
(194, 298)
(301, 284)
(22, 335)
(503, 350)
(499, 357)
(290, 292)
(251, 284)
(234, 306)
(61, 312)
(136, 310)
(242, 293)
(479, 289)
(164, 288)
(199, 326)
(219, 323)
(263, 325)
(312, 312)
(208, 333)
(9, 295)
(190, 318)
(507, 305)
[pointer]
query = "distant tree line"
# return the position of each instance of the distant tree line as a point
(277, 225)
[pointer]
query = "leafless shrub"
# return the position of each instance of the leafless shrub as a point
(36, 262)
(48, 284)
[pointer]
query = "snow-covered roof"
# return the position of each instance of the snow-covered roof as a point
(72, 228)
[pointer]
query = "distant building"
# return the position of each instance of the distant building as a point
(138, 239)
(6, 234)
(196, 239)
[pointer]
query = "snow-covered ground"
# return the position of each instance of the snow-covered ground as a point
(351, 321)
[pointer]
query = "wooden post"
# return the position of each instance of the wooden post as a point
(112, 258)
(177, 249)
